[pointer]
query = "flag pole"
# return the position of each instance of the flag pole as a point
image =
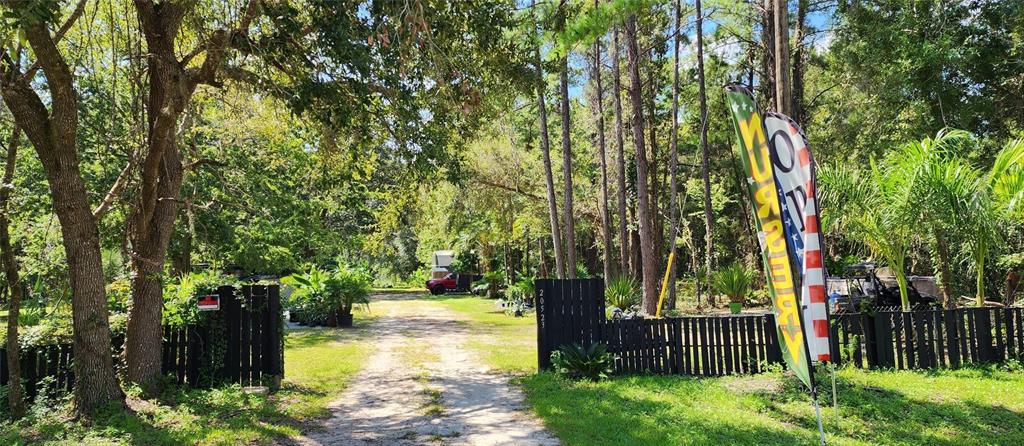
(797, 280)
(835, 397)
(817, 413)
(810, 365)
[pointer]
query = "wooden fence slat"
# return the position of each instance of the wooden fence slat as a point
(727, 344)
(28, 370)
(996, 320)
(244, 339)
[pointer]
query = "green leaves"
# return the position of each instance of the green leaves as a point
(733, 281)
(623, 293)
(593, 362)
(324, 292)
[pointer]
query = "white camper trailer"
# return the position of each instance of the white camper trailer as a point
(441, 264)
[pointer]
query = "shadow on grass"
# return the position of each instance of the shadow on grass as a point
(299, 336)
(886, 416)
(183, 416)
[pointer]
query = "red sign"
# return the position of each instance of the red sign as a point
(209, 302)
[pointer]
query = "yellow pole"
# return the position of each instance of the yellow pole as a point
(664, 283)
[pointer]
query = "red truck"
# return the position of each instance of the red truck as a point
(454, 282)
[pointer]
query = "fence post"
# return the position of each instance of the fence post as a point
(983, 320)
(773, 350)
(195, 356)
(232, 312)
(273, 333)
(541, 300)
(952, 332)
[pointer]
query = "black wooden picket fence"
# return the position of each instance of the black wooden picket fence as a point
(244, 346)
(928, 338)
(573, 312)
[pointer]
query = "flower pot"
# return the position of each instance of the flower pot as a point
(331, 320)
(345, 320)
(735, 307)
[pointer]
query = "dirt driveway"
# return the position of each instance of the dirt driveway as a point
(424, 386)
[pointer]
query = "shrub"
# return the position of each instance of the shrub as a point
(180, 295)
(519, 297)
(593, 362)
(493, 281)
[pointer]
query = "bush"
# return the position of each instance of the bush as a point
(180, 295)
(593, 363)
(519, 297)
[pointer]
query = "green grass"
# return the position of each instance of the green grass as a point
(509, 344)
(974, 406)
(318, 365)
(963, 407)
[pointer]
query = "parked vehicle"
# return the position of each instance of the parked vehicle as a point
(451, 282)
(860, 289)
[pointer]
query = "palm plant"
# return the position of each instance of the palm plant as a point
(733, 281)
(931, 174)
(493, 279)
(623, 293)
(997, 197)
(927, 190)
(872, 209)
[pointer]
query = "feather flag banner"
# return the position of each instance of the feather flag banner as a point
(752, 149)
(794, 175)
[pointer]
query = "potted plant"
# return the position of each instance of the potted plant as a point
(733, 281)
(329, 296)
(312, 296)
(623, 293)
(353, 289)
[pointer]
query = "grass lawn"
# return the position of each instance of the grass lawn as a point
(318, 364)
(977, 406)
(509, 344)
(952, 407)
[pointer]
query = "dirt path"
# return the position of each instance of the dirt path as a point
(423, 386)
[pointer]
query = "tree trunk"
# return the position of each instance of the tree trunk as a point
(799, 113)
(543, 258)
(152, 223)
(647, 254)
(172, 83)
(570, 233)
(621, 158)
(705, 154)
(598, 108)
(768, 59)
(657, 227)
(673, 165)
(942, 262)
(182, 261)
(15, 393)
(144, 332)
(53, 135)
(556, 235)
(1013, 277)
(783, 97)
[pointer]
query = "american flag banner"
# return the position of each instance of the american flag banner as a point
(762, 189)
(795, 176)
